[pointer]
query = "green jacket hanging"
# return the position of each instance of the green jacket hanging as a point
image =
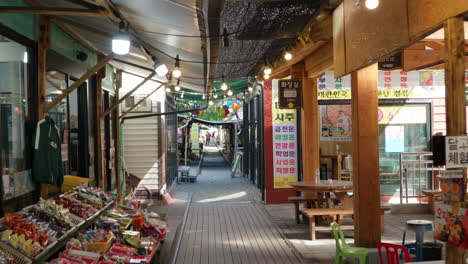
(47, 155)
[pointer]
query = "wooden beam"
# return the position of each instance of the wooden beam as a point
(108, 9)
(320, 61)
(455, 100)
(310, 139)
(82, 26)
(366, 179)
(85, 4)
(117, 136)
(43, 44)
(83, 78)
(39, 10)
(141, 101)
(127, 95)
(100, 129)
(420, 59)
(77, 36)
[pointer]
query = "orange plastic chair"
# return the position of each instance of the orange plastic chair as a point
(393, 257)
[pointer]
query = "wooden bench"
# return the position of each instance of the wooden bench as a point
(383, 208)
(431, 195)
(337, 213)
(297, 200)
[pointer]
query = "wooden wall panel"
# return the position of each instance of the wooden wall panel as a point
(339, 45)
(426, 15)
(319, 61)
(373, 34)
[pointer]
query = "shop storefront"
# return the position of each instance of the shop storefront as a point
(17, 118)
(411, 109)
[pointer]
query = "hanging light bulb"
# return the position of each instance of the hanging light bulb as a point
(210, 103)
(182, 95)
(229, 93)
(372, 4)
(250, 88)
(215, 95)
(224, 85)
(267, 70)
(177, 87)
(203, 97)
(161, 70)
(168, 89)
(266, 76)
(176, 72)
(121, 41)
(287, 56)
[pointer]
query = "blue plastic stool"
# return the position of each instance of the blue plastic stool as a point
(419, 227)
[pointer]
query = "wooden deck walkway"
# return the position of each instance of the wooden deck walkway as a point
(232, 233)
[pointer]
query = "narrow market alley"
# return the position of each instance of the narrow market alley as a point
(226, 221)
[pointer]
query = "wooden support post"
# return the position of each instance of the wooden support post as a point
(455, 100)
(102, 63)
(119, 101)
(43, 46)
(366, 181)
(310, 139)
(141, 101)
(117, 136)
(99, 129)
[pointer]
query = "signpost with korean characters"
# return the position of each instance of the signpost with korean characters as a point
(456, 152)
(290, 93)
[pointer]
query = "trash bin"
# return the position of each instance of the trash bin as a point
(431, 251)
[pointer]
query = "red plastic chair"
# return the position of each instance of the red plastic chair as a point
(393, 257)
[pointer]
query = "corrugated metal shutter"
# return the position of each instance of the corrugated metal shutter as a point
(141, 147)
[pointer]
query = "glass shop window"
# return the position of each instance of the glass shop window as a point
(16, 173)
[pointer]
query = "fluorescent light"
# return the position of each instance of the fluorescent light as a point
(25, 57)
(267, 70)
(121, 43)
(161, 70)
(372, 4)
(287, 56)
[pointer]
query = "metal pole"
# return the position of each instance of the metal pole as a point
(401, 179)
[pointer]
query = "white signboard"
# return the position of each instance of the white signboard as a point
(456, 152)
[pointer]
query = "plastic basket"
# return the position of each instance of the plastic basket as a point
(102, 246)
(125, 223)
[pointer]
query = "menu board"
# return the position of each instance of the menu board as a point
(284, 142)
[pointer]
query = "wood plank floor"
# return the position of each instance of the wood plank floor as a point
(227, 222)
(232, 233)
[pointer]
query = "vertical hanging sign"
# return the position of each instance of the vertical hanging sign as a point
(284, 142)
(290, 93)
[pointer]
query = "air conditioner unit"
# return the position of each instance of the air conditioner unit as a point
(131, 101)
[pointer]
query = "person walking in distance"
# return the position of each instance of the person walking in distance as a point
(207, 138)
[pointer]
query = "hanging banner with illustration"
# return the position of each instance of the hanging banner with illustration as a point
(284, 142)
(451, 225)
(392, 84)
(194, 137)
(336, 120)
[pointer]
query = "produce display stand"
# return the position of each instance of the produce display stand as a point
(51, 250)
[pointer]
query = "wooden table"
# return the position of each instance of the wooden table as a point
(326, 187)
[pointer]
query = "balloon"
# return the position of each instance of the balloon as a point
(196, 106)
(221, 111)
(225, 107)
(224, 115)
(197, 112)
(226, 111)
(229, 103)
(235, 107)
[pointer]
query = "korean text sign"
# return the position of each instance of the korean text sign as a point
(284, 142)
(456, 151)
